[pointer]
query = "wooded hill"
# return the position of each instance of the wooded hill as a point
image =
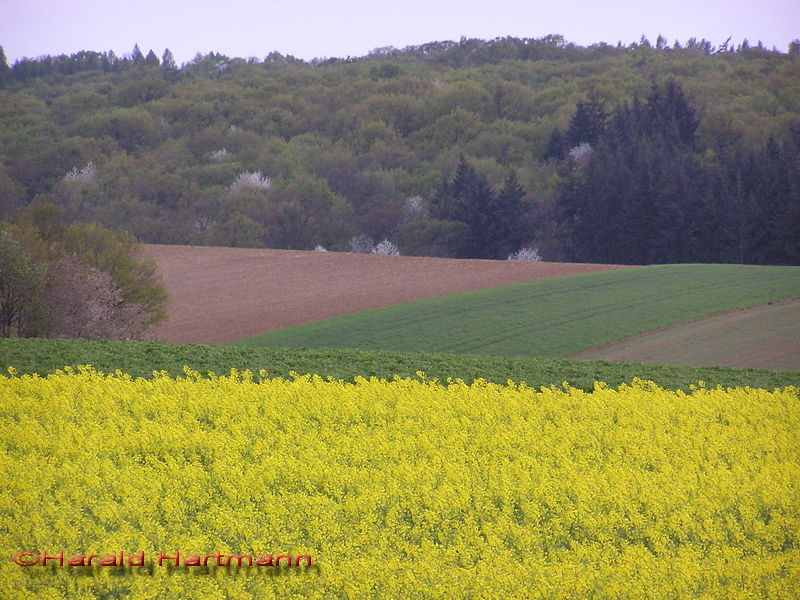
(647, 153)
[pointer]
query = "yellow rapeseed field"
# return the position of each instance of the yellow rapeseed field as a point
(393, 489)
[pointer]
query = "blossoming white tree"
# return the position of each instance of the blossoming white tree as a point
(251, 180)
(385, 248)
(582, 154)
(526, 255)
(84, 302)
(86, 174)
(222, 156)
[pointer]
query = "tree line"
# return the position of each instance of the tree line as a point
(465, 52)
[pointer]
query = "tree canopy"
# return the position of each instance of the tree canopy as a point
(631, 154)
(75, 280)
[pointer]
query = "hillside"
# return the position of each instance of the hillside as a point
(564, 147)
(218, 295)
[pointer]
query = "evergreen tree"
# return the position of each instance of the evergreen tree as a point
(589, 122)
(493, 221)
(168, 60)
(556, 146)
(776, 188)
(670, 116)
(5, 70)
(639, 200)
(472, 200)
(151, 60)
(109, 61)
(137, 58)
(507, 215)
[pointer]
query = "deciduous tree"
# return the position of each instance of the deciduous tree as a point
(21, 288)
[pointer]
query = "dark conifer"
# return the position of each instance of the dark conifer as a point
(5, 70)
(473, 201)
(506, 212)
(168, 60)
(556, 146)
(589, 122)
(152, 60)
(494, 221)
(137, 58)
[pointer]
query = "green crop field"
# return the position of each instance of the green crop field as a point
(549, 318)
(29, 356)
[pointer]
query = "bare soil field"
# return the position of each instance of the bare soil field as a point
(766, 336)
(218, 295)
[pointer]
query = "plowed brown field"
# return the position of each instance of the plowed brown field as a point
(218, 295)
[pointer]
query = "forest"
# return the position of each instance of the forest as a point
(655, 152)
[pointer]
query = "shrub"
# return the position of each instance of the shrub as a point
(526, 255)
(361, 244)
(80, 281)
(385, 248)
(21, 286)
(84, 302)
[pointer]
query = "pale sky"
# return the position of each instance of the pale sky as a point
(311, 29)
